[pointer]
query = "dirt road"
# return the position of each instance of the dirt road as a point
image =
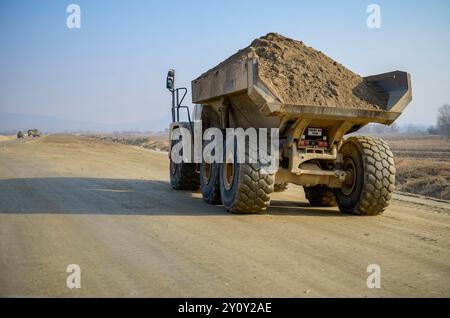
(109, 208)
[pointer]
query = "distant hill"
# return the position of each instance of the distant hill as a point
(10, 122)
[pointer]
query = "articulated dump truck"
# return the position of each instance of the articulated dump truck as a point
(315, 102)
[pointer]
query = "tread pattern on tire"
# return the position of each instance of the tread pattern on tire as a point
(280, 187)
(255, 187)
(320, 195)
(215, 197)
(210, 118)
(379, 175)
(187, 178)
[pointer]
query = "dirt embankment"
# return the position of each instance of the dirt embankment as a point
(153, 142)
(6, 137)
(300, 75)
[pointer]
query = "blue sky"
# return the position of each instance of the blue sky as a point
(112, 70)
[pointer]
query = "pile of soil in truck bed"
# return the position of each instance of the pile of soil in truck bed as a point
(300, 75)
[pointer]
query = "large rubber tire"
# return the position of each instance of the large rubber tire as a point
(184, 176)
(320, 195)
(280, 187)
(210, 173)
(210, 182)
(373, 181)
(249, 190)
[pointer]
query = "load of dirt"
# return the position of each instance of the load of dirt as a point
(300, 75)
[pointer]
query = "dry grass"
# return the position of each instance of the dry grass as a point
(417, 143)
(425, 177)
(423, 164)
(415, 147)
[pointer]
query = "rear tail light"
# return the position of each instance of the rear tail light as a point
(322, 144)
(303, 143)
(313, 143)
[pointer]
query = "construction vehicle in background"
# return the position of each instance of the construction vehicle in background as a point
(34, 133)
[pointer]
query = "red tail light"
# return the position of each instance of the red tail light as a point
(313, 143)
(303, 143)
(322, 144)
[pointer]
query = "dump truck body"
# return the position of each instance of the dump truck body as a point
(314, 102)
(239, 82)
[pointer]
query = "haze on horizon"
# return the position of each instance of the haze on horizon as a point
(112, 70)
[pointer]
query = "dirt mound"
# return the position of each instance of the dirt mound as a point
(6, 138)
(300, 75)
(156, 142)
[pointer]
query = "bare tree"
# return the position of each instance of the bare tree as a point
(443, 120)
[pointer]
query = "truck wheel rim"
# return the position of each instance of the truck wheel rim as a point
(350, 179)
(228, 175)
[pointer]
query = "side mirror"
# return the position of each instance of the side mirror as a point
(170, 82)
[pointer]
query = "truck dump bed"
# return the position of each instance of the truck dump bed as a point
(276, 76)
